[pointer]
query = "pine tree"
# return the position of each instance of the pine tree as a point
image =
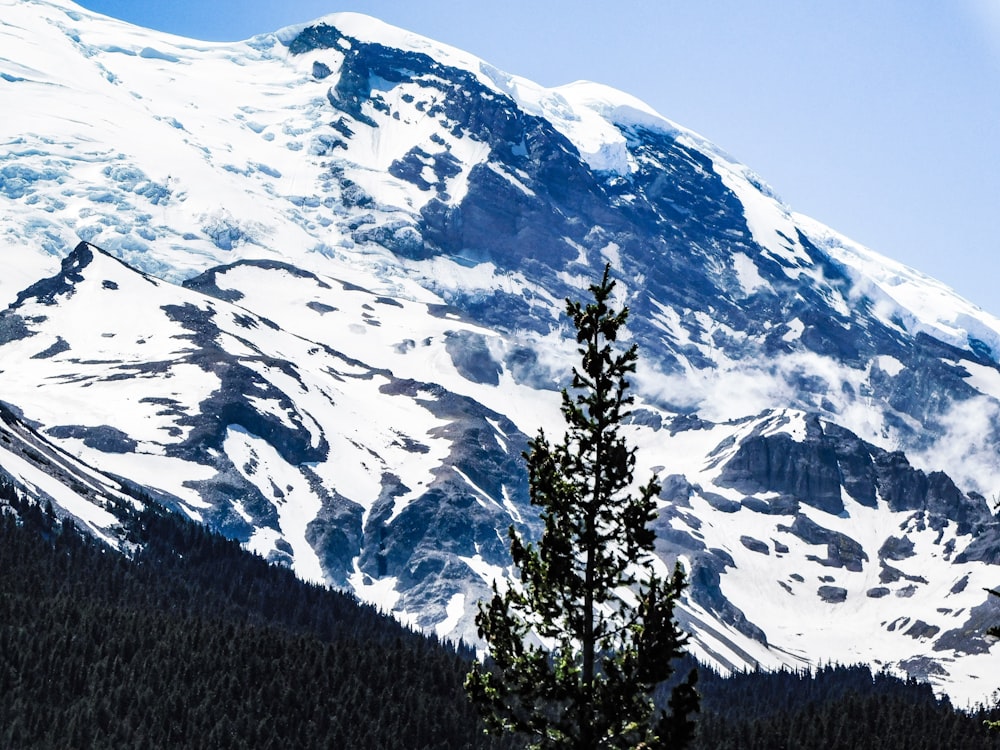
(994, 632)
(578, 646)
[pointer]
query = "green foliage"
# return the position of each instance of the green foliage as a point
(834, 708)
(994, 631)
(578, 648)
(195, 643)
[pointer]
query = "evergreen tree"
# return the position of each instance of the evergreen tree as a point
(579, 645)
(994, 632)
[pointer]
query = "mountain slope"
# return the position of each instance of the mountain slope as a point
(340, 314)
(194, 628)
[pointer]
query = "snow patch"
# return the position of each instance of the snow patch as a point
(455, 609)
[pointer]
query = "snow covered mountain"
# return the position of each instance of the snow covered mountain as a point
(308, 289)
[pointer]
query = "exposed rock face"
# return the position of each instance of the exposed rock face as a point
(829, 461)
(806, 469)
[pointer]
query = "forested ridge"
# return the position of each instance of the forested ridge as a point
(834, 708)
(194, 643)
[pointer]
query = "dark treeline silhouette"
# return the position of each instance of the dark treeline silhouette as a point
(194, 643)
(834, 708)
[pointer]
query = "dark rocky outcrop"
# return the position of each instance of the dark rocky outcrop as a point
(807, 470)
(101, 438)
(832, 594)
(471, 356)
(829, 460)
(841, 550)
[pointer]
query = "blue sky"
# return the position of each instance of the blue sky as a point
(881, 119)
